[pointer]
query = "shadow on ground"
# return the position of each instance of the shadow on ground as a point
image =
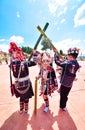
(41, 121)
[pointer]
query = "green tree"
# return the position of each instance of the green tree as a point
(61, 52)
(27, 50)
(45, 45)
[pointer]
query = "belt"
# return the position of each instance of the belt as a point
(22, 79)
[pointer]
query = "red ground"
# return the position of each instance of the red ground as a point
(73, 119)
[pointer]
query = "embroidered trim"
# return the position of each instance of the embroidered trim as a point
(22, 91)
(22, 79)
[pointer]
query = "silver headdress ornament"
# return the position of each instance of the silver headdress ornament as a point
(46, 56)
(73, 51)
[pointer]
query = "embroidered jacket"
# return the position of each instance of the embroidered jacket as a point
(23, 85)
(48, 80)
(24, 68)
(68, 72)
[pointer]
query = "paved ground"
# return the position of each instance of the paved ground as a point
(55, 119)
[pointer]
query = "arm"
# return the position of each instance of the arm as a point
(30, 63)
(39, 75)
(58, 61)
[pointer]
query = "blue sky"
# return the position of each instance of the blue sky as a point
(19, 20)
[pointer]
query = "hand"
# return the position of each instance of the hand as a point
(36, 77)
(55, 50)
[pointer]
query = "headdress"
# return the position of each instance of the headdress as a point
(16, 52)
(46, 56)
(74, 52)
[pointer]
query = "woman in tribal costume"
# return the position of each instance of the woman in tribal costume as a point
(20, 68)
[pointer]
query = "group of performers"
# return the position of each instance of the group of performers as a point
(22, 87)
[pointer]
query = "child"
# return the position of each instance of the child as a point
(48, 79)
(69, 69)
(22, 85)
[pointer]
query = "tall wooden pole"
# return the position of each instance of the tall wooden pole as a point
(35, 47)
(35, 97)
(47, 39)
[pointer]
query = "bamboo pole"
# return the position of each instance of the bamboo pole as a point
(37, 43)
(35, 97)
(47, 39)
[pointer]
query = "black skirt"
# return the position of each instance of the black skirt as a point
(25, 92)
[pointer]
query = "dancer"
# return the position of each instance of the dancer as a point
(69, 69)
(48, 79)
(22, 85)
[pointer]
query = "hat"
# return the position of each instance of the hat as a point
(74, 52)
(16, 52)
(46, 56)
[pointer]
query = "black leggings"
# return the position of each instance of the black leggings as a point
(24, 100)
(64, 91)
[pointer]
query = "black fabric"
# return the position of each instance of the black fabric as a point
(64, 91)
(16, 68)
(24, 101)
(28, 94)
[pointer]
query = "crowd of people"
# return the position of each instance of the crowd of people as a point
(22, 87)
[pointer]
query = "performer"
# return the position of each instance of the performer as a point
(69, 69)
(48, 79)
(22, 86)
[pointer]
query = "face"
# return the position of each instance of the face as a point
(70, 57)
(45, 63)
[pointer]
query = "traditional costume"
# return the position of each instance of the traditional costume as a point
(22, 86)
(68, 75)
(48, 79)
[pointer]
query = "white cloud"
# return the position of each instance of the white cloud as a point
(60, 2)
(2, 40)
(79, 18)
(66, 44)
(18, 14)
(52, 8)
(17, 39)
(4, 43)
(73, 7)
(62, 21)
(57, 6)
(4, 47)
(63, 11)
